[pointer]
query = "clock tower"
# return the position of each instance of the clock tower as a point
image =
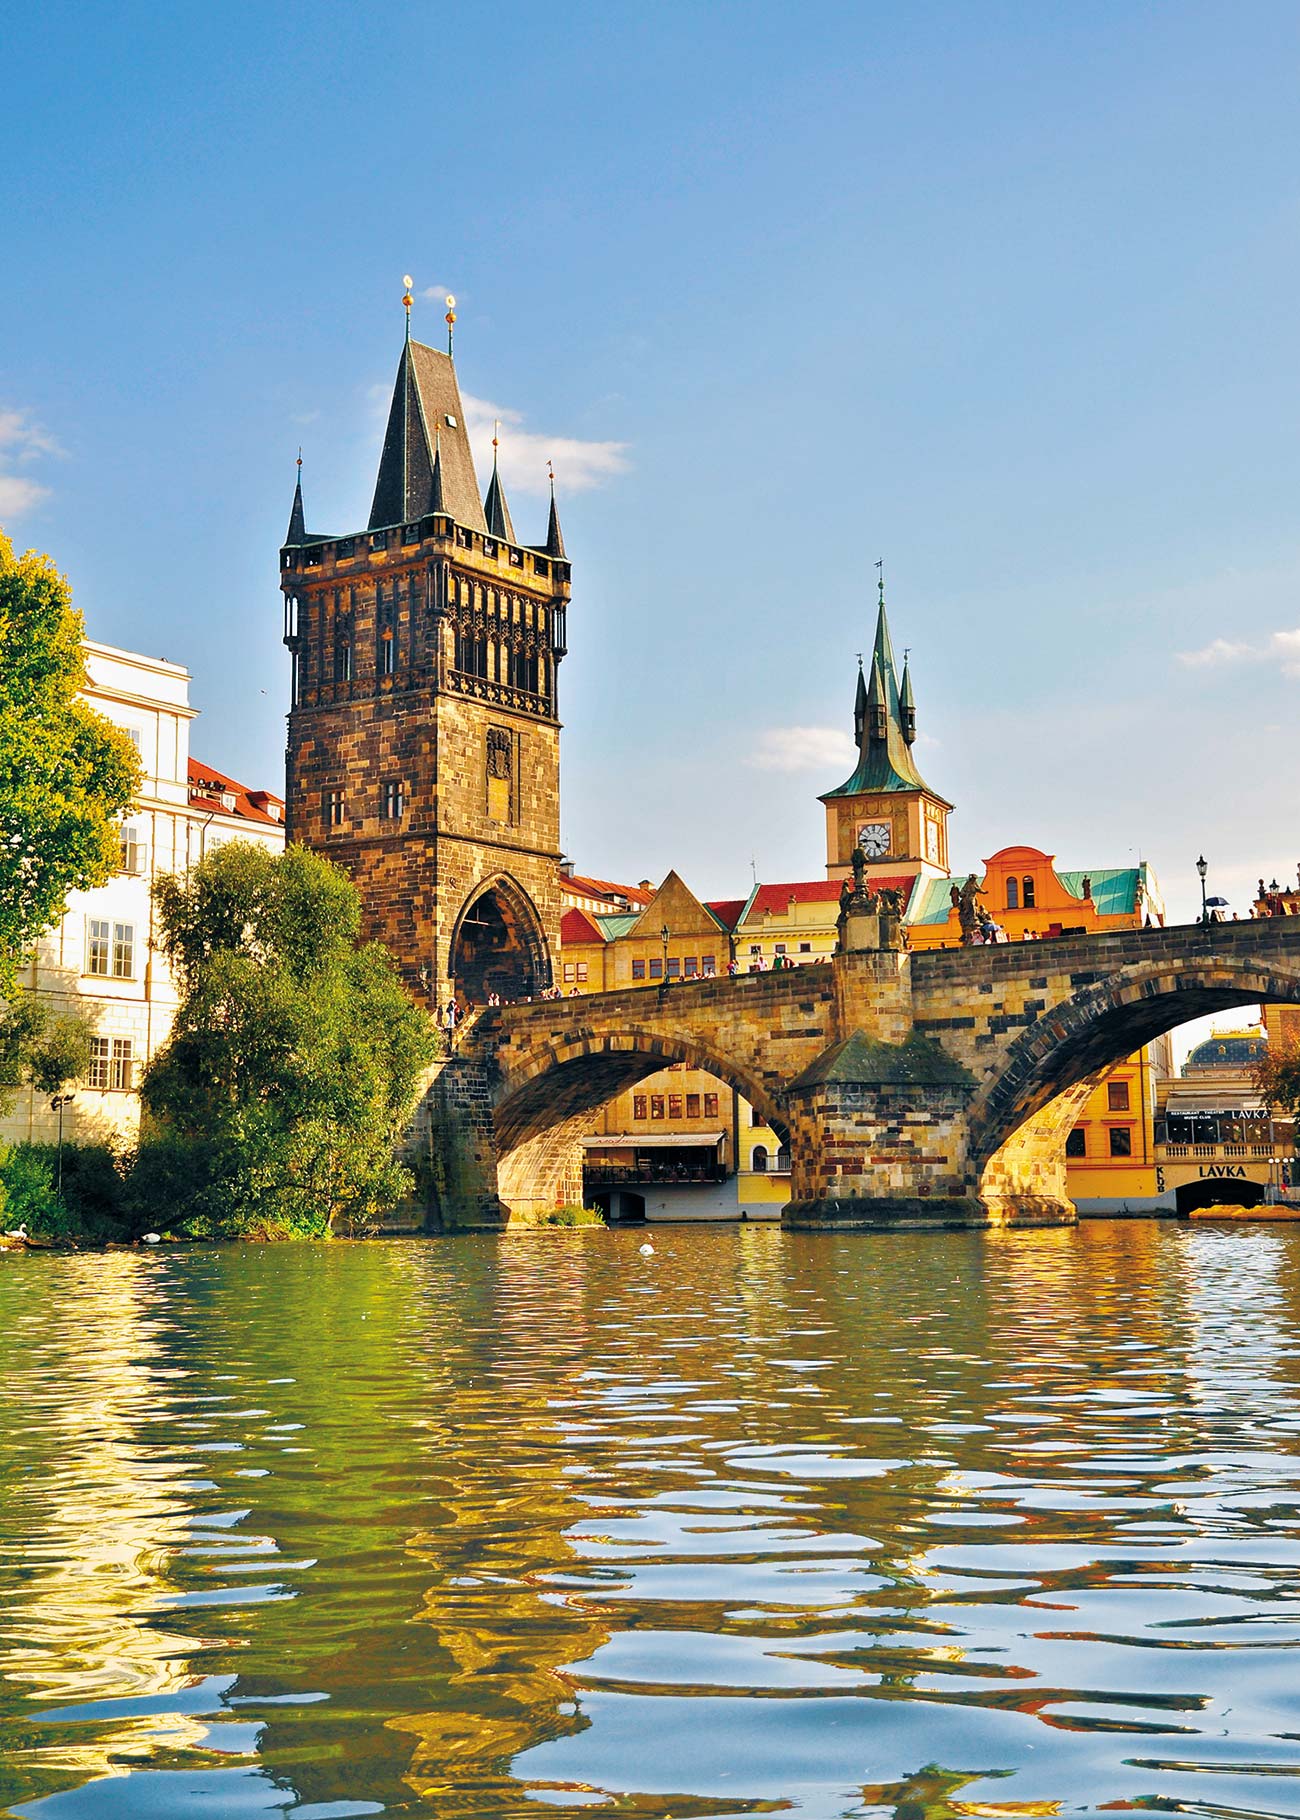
(886, 807)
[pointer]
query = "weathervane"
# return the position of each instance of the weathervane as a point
(450, 320)
(407, 300)
(880, 568)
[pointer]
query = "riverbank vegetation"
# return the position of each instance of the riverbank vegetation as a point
(276, 1105)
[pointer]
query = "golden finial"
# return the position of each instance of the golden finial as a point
(450, 320)
(496, 439)
(550, 473)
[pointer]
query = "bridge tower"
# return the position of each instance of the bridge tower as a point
(424, 732)
(886, 807)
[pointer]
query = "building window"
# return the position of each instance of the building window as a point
(692, 1105)
(1121, 1140)
(1013, 894)
(690, 966)
(123, 951)
(98, 946)
(707, 966)
(111, 1064)
(656, 969)
(1076, 1144)
(638, 1106)
(333, 808)
(756, 1117)
(805, 947)
(758, 1161)
(710, 1105)
(394, 802)
(783, 1162)
(754, 948)
(135, 855)
(1117, 1096)
(638, 970)
(656, 1105)
(674, 1105)
(780, 948)
(387, 655)
(674, 967)
(582, 972)
(1027, 893)
(568, 973)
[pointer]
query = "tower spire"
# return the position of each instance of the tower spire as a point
(297, 533)
(495, 509)
(907, 703)
(554, 541)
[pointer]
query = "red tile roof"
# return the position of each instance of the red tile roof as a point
(776, 898)
(577, 927)
(208, 786)
(727, 910)
(583, 886)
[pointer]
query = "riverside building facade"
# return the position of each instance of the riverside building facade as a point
(99, 959)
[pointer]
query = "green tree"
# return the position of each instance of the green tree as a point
(1278, 1077)
(66, 773)
(294, 1059)
(47, 1048)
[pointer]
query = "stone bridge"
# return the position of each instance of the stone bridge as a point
(929, 1089)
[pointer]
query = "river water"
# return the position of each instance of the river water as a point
(766, 1523)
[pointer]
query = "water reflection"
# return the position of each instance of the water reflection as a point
(764, 1524)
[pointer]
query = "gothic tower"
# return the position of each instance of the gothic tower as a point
(886, 807)
(424, 738)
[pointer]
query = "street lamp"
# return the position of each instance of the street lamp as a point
(57, 1104)
(1202, 869)
(663, 937)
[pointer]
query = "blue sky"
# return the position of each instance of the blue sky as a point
(1004, 294)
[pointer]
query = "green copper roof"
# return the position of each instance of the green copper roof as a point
(884, 753)
(611, 927)
(1113, 892)
(932, 903)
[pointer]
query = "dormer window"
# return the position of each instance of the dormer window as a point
(228, 801)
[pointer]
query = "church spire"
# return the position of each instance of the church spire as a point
(884, 720)
(297, 533)
(554, 541)
(495, 509)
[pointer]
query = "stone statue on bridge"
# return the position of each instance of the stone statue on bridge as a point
(966, 903)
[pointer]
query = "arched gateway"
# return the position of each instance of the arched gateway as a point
(931, 1089)
(498, 946)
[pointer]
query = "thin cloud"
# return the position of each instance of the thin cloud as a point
(524, 454)
(1218, 651)
(22, 441)
(802, 749)
(1282, 647)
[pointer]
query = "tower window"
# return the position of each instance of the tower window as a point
(1013, 894)
(1027, 893)
(343, 661)
(393, 801)
(387, 655)
(333, 808)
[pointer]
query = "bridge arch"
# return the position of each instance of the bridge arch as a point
(546, 1101)
(1021, 1115)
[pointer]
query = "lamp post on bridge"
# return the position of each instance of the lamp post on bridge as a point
(1202, 868)
(664, 935)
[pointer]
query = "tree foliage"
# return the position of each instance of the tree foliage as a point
(38, 1045)
(294, 1058)
(1277, 1074)
(66, 773)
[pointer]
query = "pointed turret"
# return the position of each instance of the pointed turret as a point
(554, 541)
(495, 509)
(437, 498)
(877, 703)
(907, 706)
(860, 709)
(297, 532)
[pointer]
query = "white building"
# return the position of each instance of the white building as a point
(100, 958)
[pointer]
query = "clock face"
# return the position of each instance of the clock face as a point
(873, 839)
(932, 841)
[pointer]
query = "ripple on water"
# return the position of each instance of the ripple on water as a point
(944, 1525)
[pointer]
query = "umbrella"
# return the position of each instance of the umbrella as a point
(1217, 903)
